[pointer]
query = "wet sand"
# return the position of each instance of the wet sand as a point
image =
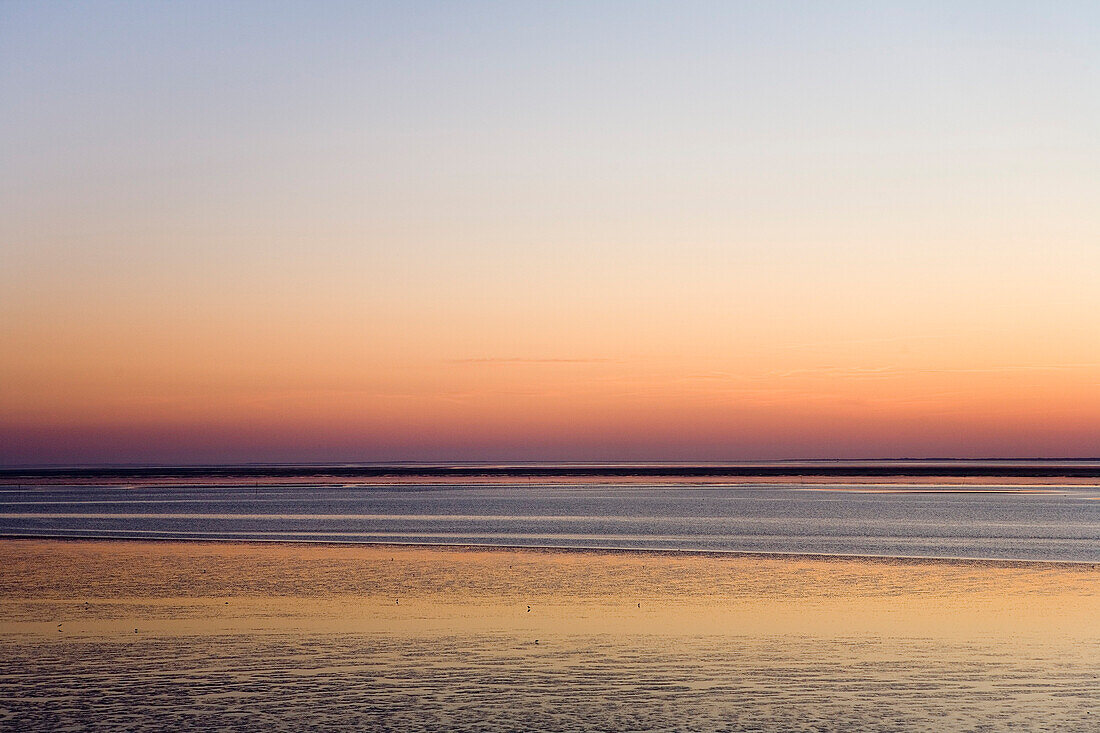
(163, 635)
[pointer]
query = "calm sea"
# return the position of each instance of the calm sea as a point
(1009, 510)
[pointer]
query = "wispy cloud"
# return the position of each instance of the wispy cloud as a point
(524, 360)
(833, 371)
(871, 372)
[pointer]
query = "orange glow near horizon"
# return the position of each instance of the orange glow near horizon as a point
(796, 367)
(313, 405)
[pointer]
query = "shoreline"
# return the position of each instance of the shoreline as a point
(1035, 468)
(897, 560)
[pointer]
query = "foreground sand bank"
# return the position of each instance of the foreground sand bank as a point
(155, 635)
(223, 586)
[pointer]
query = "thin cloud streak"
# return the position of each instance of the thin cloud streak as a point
(900, 371)
(521, 360)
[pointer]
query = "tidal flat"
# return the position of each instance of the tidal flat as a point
(138, 635)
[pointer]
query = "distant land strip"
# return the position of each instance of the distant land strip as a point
(1041, 469)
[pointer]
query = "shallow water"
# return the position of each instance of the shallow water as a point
(966, 517)
(500, 682)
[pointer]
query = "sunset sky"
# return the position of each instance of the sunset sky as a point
(236, 231)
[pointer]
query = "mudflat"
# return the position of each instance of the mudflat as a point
(256, 636)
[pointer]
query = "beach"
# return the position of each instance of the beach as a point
(250, 636)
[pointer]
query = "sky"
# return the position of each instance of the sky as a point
(272, 231)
